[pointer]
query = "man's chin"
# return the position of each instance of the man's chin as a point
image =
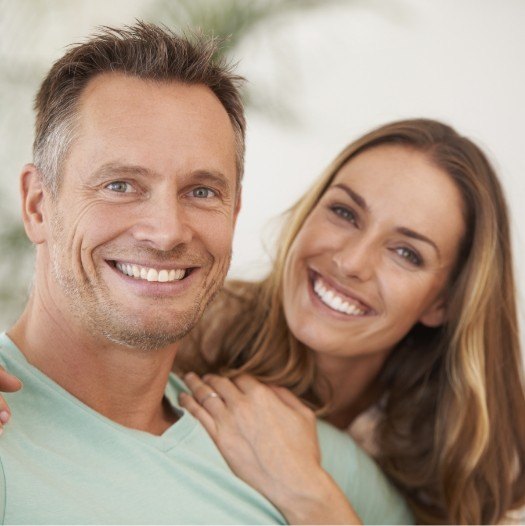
(146, 335)
(143, 341)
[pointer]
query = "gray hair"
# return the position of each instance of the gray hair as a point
(146, 51)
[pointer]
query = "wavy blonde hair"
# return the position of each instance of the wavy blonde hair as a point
(452, 432)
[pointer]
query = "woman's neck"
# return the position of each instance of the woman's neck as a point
(352, 385)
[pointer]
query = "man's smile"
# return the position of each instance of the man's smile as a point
(150, 273)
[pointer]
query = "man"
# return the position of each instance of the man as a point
(131, 203)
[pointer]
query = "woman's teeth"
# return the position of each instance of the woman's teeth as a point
(150, 274)
(331, 299)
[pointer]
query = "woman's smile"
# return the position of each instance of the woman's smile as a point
(374, 256)
(336, 298)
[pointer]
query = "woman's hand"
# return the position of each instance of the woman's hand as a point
(269, 439)
(8, 384)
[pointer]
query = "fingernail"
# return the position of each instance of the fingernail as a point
(4, 417)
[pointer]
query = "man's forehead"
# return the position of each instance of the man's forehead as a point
(116, 100)
(121, 88)
(160, 127)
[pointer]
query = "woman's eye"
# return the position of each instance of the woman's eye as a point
(121, 187)
(410, 255)
(344, 213)
(202, 192)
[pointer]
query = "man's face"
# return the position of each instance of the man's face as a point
(139, 237)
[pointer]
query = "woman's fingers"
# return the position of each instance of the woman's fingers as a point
(205, 395)
(199, 389)
(286, 396)
(8, 382)
(227, 390)
(5, 414)
(246, 383)
(199, 412)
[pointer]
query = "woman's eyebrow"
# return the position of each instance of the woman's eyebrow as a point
(358, 199)
(416, 235)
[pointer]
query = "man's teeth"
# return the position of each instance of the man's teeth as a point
(335, 302)
(151, 274)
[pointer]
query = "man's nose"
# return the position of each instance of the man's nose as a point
(356, 259)
(164, 223)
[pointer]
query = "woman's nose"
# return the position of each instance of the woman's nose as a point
(356, 259)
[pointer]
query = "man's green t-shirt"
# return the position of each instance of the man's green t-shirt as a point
(63, 463)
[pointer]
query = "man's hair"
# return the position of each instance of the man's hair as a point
(143, 50)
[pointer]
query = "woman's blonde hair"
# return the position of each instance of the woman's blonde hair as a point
(452, 433)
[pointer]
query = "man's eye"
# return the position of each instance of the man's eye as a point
(410, 255)
(120, 187)
(202, 192)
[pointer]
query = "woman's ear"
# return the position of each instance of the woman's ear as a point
(32, 194)
(435, 315)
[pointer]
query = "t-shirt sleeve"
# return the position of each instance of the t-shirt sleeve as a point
(371, 494)
(2, 475)
(2, 491)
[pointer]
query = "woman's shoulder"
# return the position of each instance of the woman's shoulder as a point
(363, 429)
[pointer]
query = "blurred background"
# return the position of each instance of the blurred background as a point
(320, 72)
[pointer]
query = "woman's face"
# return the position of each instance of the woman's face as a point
(374, 255)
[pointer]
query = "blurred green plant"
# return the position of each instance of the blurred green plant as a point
(232, 21)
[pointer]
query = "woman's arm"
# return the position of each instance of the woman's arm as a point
(8, 384)
(269, 439)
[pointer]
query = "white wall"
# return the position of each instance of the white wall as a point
(343, 69)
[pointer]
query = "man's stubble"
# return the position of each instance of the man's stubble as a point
(90, 301)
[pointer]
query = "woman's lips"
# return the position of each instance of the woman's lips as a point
(337, 300)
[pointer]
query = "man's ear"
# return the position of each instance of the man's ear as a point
(436, 314)
(32, 194)
(238, 202)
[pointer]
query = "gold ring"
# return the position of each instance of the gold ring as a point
(212, 394)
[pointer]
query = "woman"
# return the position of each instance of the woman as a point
(392, 295)
(392, 299)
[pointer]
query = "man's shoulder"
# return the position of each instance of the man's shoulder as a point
(2, 491)
(6, 348)
(373, 496)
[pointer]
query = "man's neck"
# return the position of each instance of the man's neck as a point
(124, 384)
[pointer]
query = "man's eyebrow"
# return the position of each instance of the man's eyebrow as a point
(213, 177)
(118, 169)
(122, 170)
(416, 235)
(358, 199)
